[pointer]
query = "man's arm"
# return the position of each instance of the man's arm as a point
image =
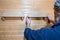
(30, 34)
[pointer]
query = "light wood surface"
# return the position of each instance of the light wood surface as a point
(10, 29)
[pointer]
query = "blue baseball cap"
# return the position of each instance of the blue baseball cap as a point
(57, 3)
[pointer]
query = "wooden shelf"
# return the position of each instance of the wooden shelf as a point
(19, 16)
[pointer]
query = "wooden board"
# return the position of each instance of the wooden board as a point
(19, 15)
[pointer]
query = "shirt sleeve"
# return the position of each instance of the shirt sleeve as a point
(32, 34)
(41, 34)
(27, 33)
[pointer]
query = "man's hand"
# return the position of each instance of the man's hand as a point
(28, 22)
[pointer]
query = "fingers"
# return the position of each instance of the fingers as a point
(28, 22)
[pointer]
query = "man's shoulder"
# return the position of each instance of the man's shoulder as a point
(45, 29)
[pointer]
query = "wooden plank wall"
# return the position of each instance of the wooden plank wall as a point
(13, 29)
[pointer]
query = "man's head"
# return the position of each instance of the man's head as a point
(57, 10)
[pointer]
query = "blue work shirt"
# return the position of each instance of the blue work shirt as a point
(52, 33)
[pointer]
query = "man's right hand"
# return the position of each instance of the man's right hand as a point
(28, 22)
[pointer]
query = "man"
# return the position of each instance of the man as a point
(52, 33)
(57, 10)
